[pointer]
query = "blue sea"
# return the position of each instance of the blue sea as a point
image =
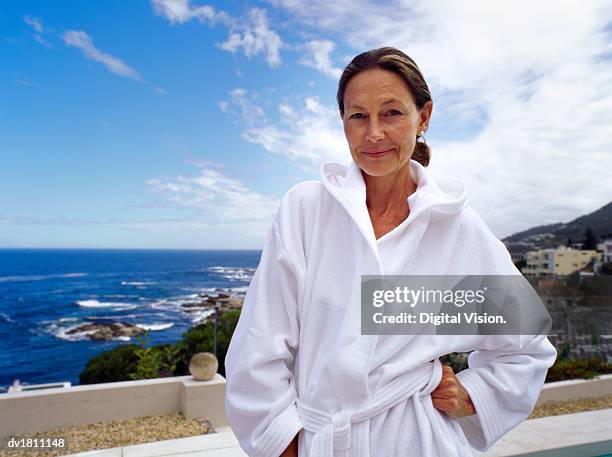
(46, 292)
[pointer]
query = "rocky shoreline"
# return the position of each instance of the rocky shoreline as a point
(221, 302)
(103, 331)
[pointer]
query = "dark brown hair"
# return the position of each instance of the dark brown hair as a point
(394, 60)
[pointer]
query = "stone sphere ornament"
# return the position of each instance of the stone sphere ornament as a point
(203, 366)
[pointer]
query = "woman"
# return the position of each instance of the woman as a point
(300, 376)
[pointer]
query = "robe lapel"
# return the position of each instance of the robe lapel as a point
(351, 194)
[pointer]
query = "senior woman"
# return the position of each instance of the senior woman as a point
(301, 378)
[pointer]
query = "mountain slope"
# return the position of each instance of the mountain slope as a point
(600, 221)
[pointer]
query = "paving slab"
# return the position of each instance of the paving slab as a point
(586, 434)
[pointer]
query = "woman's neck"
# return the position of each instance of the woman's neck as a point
(386, 195)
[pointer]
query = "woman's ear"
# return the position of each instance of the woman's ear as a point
(425, 113)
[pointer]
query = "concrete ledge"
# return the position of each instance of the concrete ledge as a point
(39, 411)
(575, 389)
(204, 399)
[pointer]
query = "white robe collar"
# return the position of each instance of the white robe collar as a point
(346, 184)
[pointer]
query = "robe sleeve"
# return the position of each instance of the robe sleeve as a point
(504, 384)
(506, 372)
(261, 392)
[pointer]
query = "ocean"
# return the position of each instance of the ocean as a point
(46, 292)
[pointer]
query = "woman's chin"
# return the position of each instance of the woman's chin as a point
(381, 168)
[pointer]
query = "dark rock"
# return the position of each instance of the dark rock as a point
(100, 331)
(198, 304)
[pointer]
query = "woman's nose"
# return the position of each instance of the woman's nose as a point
(375, 132)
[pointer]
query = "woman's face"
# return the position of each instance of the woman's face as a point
(381, 121)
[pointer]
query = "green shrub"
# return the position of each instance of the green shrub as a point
(201, 339)
(564, 369)
(148, 365)
(136, 361)
(155, 361)
(456, 360)
(111, 366)
(564, 352)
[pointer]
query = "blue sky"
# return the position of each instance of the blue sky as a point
(178, 124)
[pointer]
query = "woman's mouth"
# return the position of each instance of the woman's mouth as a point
(377, 152)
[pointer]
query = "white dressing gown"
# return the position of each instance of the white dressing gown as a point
(298, 363)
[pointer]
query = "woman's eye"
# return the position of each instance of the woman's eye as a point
(356, 116)
(393, 112)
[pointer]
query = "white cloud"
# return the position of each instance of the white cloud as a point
(81, 40)
(42, 41)
(37, 26)
(251, 113)
(223, 106)
(523, 87)
(180, 11)
(28, 83)
(309, 134)
(76, 221)
(215, 198)
(34, 22)
(318, 57)
(252, 34)
(286, 110)
(255, 37)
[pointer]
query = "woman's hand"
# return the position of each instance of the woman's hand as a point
(450, 396)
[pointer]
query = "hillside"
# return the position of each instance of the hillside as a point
(599, 221)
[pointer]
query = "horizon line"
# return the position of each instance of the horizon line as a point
(125, 249)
